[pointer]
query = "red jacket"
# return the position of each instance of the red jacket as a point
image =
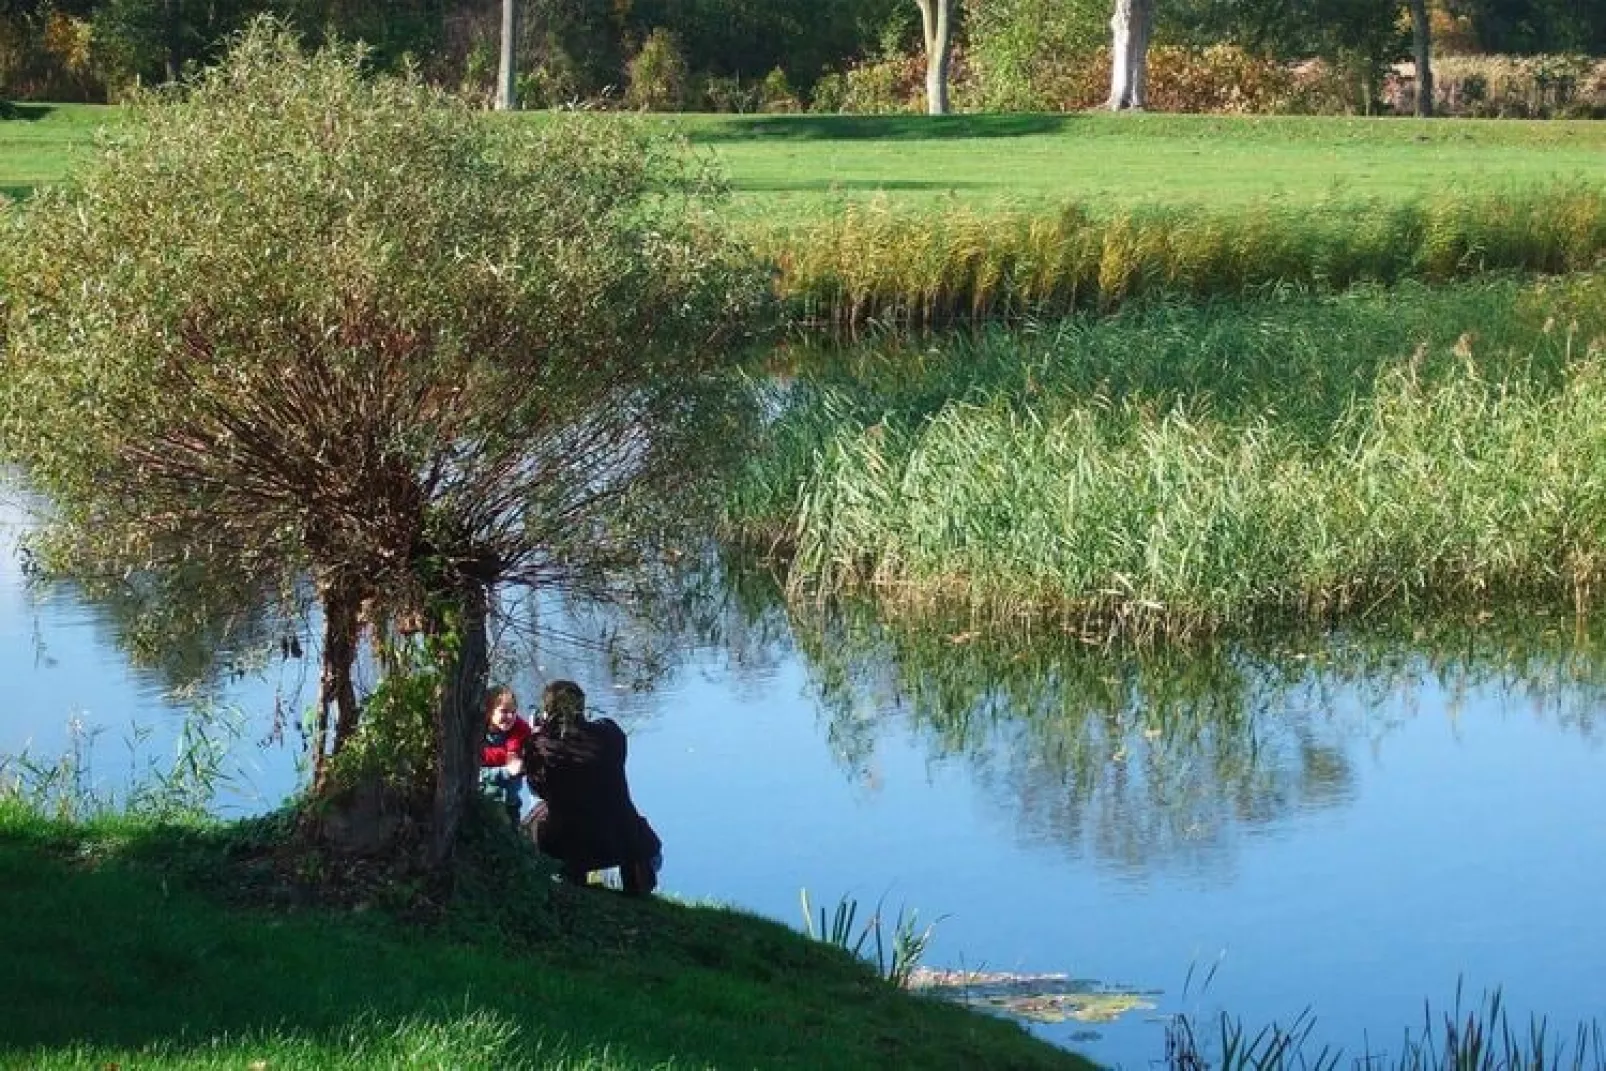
(500, 747)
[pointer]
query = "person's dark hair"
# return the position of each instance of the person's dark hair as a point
(564, 705)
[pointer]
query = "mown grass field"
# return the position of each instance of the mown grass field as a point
(791, 168)
(132, 944)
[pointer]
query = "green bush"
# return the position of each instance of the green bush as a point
(777, 94)
(1024, 55)
(885, 86)
(728, 94)
(1538, 87)
(830, 93)
(657, 75)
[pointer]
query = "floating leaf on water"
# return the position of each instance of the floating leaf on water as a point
(1041, 998)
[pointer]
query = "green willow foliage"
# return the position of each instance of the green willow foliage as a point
(302, 321)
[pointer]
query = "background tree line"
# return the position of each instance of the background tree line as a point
(859, 55)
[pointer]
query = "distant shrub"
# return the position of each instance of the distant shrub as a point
(885, 86)
(1220, 78)
(1317, 87)
(830, 92)
(657, 75)
(478, 82)
(726, 94)
(776, 93)
(1027, 53)
(1520, 87)
(553, 81)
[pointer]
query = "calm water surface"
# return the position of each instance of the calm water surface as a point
(1352, 824)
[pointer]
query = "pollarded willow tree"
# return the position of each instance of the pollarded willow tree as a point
(307, 329)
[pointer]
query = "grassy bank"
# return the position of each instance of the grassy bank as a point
(1182, 469)
(913, 220)
(139, 945)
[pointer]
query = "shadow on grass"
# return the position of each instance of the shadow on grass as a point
(844, 185)
(111, 959)
(29, 113)
(884, 127)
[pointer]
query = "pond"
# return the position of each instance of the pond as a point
(1351, 822)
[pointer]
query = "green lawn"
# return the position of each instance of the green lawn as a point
(117, 954)
(38, 147)
(796, 166)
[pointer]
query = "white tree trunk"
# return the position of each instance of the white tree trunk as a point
(1130, 29)
(936, 19)
(507, 93)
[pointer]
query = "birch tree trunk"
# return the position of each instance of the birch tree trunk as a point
(936, 19)
(507, 94)
(1421, 38)
(1130, 28)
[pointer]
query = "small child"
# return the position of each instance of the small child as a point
(502, 751)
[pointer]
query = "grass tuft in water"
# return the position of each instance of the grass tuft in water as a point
(1480, 1038)
(1204, 482)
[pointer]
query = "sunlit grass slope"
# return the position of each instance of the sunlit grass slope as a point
(114, 957)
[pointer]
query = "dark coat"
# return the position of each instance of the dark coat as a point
(587, 819)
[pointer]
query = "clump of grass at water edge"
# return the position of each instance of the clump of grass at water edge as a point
(1448, 464)
(1479, 1038)
(878, 263)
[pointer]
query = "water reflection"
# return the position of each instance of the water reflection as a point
(1401, 799)
(1158, 758)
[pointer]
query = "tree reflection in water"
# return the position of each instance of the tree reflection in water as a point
(1154, 757)
(1143, 758)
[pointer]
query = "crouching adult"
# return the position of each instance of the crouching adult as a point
(586, 819)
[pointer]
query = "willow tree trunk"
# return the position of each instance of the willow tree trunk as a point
(1421, 39)
(936, 19)
(342, 602)
(459, 722)
(507, 92)
(1130, 29)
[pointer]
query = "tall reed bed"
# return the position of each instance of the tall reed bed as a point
(1441, 475)
(875, 263)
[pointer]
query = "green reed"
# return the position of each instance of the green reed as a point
(896, 957)
(1479, 1038)
(1168, 499)
(879, 263)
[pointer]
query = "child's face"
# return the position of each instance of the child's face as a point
(503, 713)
